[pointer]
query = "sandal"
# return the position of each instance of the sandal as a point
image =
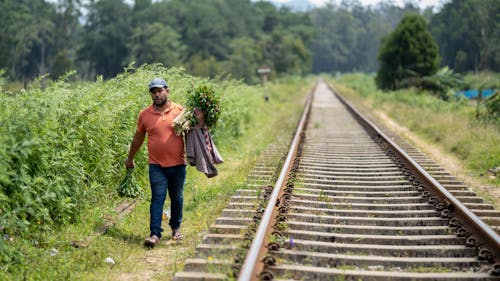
(176, 235)
(151, 241)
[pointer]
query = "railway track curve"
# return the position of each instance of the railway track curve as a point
(347, 203)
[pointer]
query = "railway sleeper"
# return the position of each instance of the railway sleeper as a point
(233, 221)
(383, 250)
(479, 206)
(397, 179)
(239, 213)
(208, 265)
(220, 251)
(364, 213)
(371, 229)
(360, 206)
(196, 276)
(376, 239)
(360, 187)
(381, 262)
(331, 173)
(384, 198)
(218, 238)
(369, 221)
(354, 169)
(298, 272)
(336, 193)
(227, 229)
(373, 183)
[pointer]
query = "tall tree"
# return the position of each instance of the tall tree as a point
(106, 34)
(407, 54)
(468, 33)
(68, 30)
(338, 39)
(244, 59)
(25, 37)
(285, 53)
(155, 42)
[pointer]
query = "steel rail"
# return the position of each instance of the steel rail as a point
(252, 265)
(486, 235)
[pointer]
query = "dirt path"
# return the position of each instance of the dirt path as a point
(158, 263)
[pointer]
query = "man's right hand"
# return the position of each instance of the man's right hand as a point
(129, 163)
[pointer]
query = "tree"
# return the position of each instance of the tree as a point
(106, 33)
(155, 42)
(25, 37)
(407, 54)
(285, 53)
(244, 60)
(68, 30)
(468, 33)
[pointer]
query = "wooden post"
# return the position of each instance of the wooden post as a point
(264, 72)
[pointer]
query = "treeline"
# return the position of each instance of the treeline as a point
(214, 37)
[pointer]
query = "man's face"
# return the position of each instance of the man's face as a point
(159, 96)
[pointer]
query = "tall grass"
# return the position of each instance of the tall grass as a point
(451, 124)
(61, 157)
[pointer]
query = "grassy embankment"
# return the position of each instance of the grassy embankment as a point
(451, 125)
(62, 150)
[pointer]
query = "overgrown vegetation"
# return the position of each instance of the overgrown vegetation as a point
(451, 124)
(62, 150)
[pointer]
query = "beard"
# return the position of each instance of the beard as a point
(160, 101)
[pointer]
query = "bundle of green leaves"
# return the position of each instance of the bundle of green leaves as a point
(203, 98)
(129, 186)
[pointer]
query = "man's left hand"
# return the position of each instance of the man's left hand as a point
(200, 115)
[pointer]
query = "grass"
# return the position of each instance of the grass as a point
(204, 199)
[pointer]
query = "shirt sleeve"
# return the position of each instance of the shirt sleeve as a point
(140, 124)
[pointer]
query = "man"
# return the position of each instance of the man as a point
(167, 167)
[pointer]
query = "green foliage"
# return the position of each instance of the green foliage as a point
(483, 80)
(107, 25)
(129, 186)
(491, 108)
(156, 42)
(200, 97)
(442, 82)
(204, 98)
(407, 54)
(285, 53)
(486, 109)
(468, 33)
(244, 59)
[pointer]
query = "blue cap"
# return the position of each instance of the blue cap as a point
(157, 83)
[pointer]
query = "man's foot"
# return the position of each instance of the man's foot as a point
(176, 235)
(151, 241)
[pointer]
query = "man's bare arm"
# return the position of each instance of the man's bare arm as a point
(134, 147)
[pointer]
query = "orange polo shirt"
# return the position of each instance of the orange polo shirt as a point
(164, 146)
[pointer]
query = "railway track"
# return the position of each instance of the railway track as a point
(345, 205)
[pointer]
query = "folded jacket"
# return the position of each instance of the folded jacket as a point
(201, 151)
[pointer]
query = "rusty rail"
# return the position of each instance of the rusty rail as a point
(252, 266)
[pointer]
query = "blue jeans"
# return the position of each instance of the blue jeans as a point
(161, 180)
